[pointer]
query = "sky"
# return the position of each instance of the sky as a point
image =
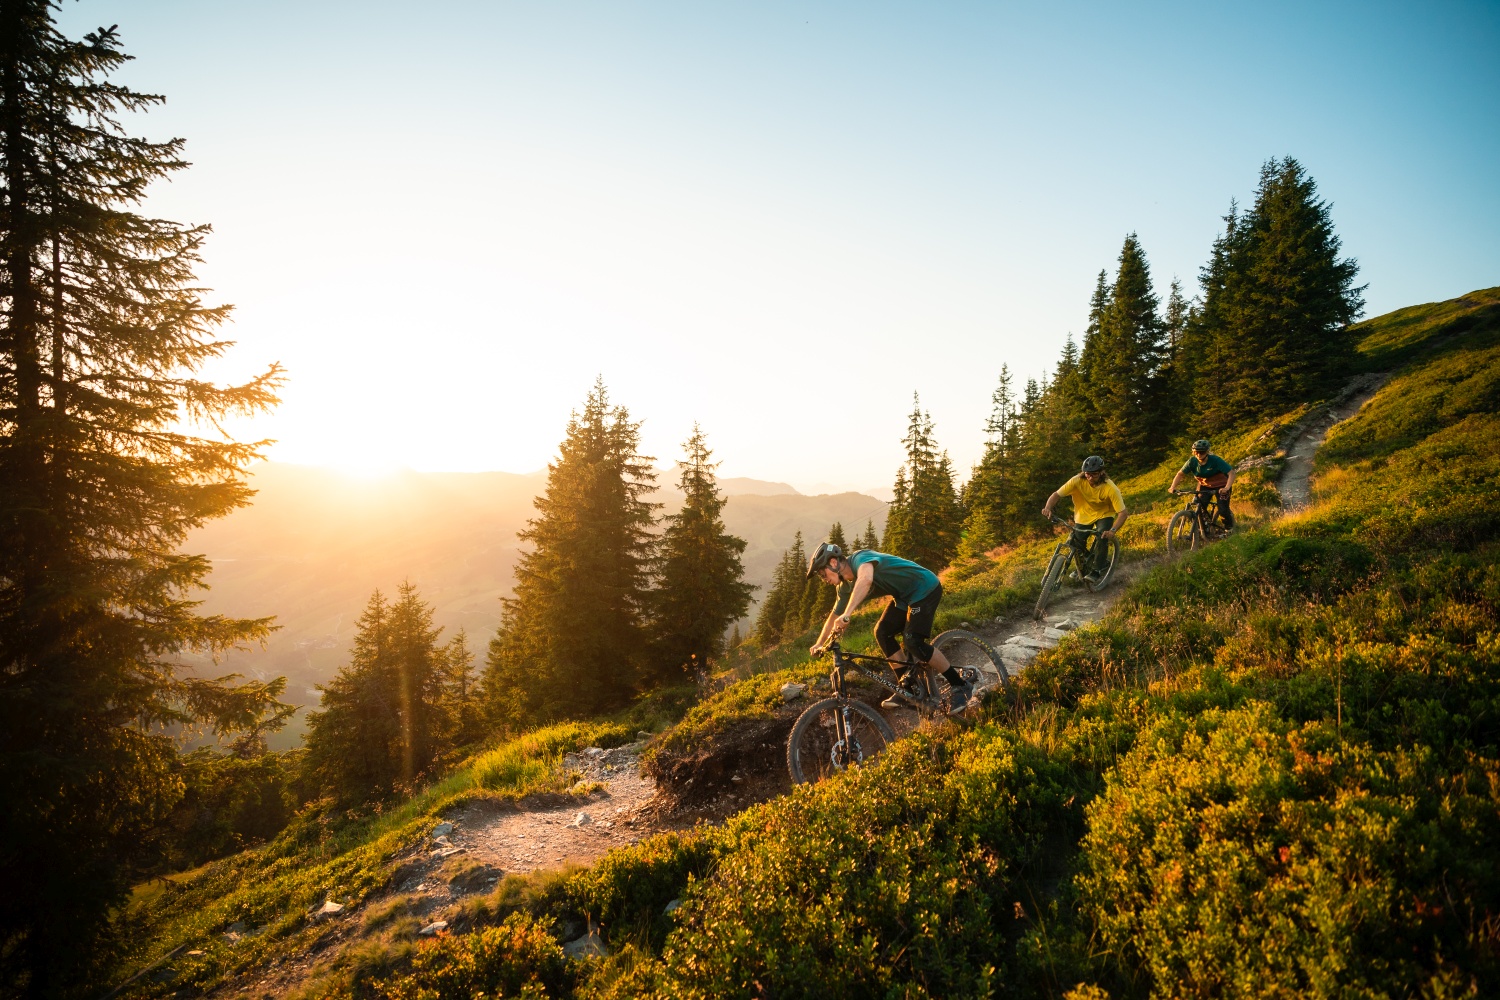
(779, 220)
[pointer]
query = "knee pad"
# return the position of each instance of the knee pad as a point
(917, 646)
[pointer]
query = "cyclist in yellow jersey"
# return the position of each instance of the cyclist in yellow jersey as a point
(1096, 501)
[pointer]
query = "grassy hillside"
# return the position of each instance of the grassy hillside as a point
(1273, 770)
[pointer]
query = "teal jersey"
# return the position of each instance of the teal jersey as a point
(1213, 465)
(895, 577)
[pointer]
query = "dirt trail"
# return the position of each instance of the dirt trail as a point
(570, 832)
(1295, 482)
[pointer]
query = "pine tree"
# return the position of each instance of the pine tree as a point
(571, 641)
(869, 540)
(925, 519)
(1280, 311)
(1125, 387)
(1091, 364)
(701, 586)
(987, 525)
(782, 599)
(381, 722)
(101, 333)
(462, 706)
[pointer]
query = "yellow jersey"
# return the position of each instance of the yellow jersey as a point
(1092, 503)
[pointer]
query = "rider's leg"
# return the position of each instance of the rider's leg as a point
(1225, 511)
(918, 629)
(887, 631)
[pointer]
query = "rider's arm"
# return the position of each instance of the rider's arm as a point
(864, 579)
(1051, 502)
(1228, 485)
(1119, 520)
(1175, 480)
(825, 633)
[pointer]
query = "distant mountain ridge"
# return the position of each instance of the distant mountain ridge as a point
(316, 542)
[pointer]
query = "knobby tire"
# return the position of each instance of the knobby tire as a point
(967, 651)
(1049, 582)
(1183, 534)
(809, 750)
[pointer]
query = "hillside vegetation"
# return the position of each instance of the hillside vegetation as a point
(1273, 770)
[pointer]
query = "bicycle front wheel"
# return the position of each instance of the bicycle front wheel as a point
(814, 751)
(969, 652)
(1049, 582)
(1182, 533)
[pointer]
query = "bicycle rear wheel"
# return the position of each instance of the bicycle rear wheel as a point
(1183, 534)
(1050, 581)
(969, 652)
(813, 751)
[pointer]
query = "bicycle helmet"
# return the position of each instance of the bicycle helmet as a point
(1202, 445)
(820, 557)
(1093, 464)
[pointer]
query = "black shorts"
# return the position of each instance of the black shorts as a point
(912, 623)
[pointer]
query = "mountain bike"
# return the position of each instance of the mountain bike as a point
(1081, 555)
(1197, 524)
(841, 732)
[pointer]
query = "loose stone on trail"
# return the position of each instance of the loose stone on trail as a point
(791, 691)
(582, 819)
(433, 929)
(442, 830)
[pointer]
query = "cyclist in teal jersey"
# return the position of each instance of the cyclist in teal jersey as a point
(914, 592)
(1212, 473)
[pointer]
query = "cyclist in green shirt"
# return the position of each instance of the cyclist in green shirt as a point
(914, 592)
(1211, 472)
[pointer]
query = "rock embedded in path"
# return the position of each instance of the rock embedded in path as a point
(442, 830)
(329, 909)
(591, 945)
(1027, 642)
(1053, 633)
(791, 691)
(594, 753)
(582, 819)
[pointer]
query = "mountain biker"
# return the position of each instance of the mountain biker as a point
(1212, 473)
(1096, 501)
(914, 592)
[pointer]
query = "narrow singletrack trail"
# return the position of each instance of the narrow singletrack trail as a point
(1295, 481)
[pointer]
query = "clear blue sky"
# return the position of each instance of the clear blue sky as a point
(446, 220)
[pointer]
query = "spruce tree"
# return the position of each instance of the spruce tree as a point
(701, 587)
(1091, 363)
(572, 639)
(1281, 311)
(988, 494)
(382, 719)
(869, 540)
(925, 518)
(782, 599)
(1125, 386)
(102, 331)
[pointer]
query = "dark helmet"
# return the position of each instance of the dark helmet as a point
(1202, 445)
(820, 557)
(1093, 464)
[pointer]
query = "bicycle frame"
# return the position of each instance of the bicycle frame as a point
(1204, 503)
(843, 660)
(1075, 554)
